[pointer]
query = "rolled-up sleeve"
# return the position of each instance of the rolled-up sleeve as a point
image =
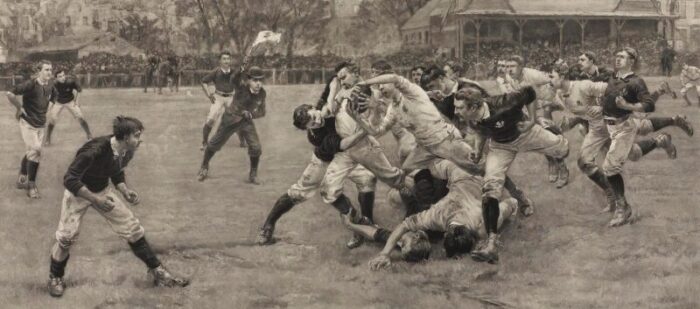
(73, 178)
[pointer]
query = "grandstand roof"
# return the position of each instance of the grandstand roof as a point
(86, 41)
(643, 9)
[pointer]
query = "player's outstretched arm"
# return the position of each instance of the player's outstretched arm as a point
(383, 260)
(381, 79)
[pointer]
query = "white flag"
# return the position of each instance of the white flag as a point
(264, 40)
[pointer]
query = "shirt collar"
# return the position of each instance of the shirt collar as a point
(115, 147)
(225, 71)
(38, 81)
(624, 76)
(487, 111)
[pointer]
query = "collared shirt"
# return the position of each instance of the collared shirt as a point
(415, 112)
(95, 164)
(223, 80)
(36, 96)
(632, 88)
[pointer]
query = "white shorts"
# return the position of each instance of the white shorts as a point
(56, 109)
(217, 108)
(121, 219)
(33, 138)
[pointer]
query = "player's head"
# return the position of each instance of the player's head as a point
(587, 60)
(307, 117)
(468, 99)
(627, 59)
(60, 75)
(558, 74)
(128, 130)
(452, 70)
(225, 59)
(381, 67)
(514, 65)
(255, 77)
(685, 65)
(501, 67)
(458, 240)
(415, 246)
(43, 70)
(416, 73)
(435, 78)
(349, 75)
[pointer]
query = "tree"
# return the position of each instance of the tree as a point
(141, 31)
(398, 11)
(297, 19)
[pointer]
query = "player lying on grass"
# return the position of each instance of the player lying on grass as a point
(458, 214)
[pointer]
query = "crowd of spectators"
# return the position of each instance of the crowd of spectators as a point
(536, 53)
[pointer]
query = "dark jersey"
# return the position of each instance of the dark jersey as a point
(94, 165)
(505, 112)
(446, 106)
(245, 100)
(600, 75)
(222, 81)
(35, 100)
(65, 90)
(633, 89)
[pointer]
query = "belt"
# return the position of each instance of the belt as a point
(224, 94)
(615, 121)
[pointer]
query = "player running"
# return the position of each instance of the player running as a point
(68, 92)
(248, 104)
(502, 121)
(690, 78)
(36, 95)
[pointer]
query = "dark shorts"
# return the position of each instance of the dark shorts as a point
(229, 126)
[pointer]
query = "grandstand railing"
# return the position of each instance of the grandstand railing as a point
(188, 78)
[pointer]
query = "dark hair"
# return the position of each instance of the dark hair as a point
(419, 252)
(560, 66)
(221, 54)
(632, 55)
(590, 55)
(123, 126)
(459, 240)
(430, 74)
(418, 67)
(301, 116)
(382, 66)
(58, 71)
(40, 65)
(340, 66)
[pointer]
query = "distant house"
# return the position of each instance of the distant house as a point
(75, 46)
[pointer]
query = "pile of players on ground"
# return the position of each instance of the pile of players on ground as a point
(447, 182)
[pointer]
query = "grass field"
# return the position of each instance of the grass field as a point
(563, 257)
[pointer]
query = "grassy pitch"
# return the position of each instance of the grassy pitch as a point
(562, 257)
